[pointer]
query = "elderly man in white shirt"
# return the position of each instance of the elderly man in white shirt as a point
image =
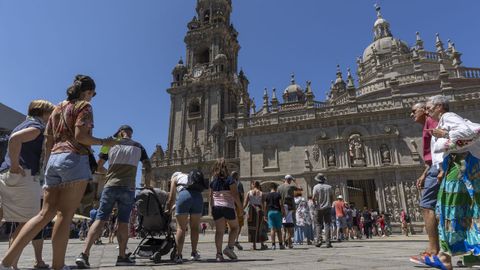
(456, 147)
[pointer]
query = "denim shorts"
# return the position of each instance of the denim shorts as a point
(123, 196)
(274, 219)
(189, 202)
(65, 168)
(341, 222)
(430, 190)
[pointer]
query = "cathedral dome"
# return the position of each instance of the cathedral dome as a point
(293, 92)
(384, 46)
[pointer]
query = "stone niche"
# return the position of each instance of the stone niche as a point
(270, 158)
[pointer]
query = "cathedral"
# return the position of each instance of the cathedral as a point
(362, 137)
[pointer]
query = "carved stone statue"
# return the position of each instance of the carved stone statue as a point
(331, 161)
(356, 151)
(316, 152)
(385, 153)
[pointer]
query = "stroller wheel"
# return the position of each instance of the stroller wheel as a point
(172, 254)
(157, 257)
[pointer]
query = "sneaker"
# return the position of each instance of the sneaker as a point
(124, 261)
(178, 259)
(274, 247)
(329, 245)
(229, 252)
(238, 246)
(219, 257)
(319, 244)
(282, 247)
(195, 256)
(82, 261)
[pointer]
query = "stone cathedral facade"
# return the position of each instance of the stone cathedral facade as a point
(362, 137)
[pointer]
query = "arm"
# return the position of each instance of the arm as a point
(245, 201)
(83, 136)
(148, 172)
(101, 168)
(15, 146)
(234, 191)
(171, 195)
(421, 179)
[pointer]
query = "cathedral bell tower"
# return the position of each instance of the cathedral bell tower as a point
(206, 89)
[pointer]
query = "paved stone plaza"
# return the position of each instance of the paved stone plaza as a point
(378, 253)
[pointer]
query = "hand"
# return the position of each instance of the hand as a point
(17, 169)
(440, 133)
(421, 182)
(110, 141)
(440, 175)
(265, 219)
(101, 170)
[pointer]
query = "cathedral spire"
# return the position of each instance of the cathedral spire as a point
(418, 42)
(381, 27)
(439, 44)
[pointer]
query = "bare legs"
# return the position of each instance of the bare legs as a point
(93, 234)
(194, 230)
(432, 230)
(220, 230)
(65, 199)
(122, 237)
(181, 229)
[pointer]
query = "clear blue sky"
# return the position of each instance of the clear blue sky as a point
(130, 47)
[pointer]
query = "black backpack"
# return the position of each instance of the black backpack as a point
(196, 181)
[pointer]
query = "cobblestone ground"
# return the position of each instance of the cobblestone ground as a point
(378, 253)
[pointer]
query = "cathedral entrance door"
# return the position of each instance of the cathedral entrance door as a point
(362, 193)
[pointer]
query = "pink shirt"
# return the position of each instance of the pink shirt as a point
(430, 123)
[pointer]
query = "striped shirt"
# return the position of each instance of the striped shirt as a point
(123, 160)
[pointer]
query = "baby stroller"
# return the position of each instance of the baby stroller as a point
(154, 226)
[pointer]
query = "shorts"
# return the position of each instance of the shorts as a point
(288, 225)
(123, 196)
(189, 202)
(21, 196)
(274, 219)
(66, 168)
(219, 212)
(430, 190)
(341, 222)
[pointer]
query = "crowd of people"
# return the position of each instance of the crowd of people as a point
(52, 147)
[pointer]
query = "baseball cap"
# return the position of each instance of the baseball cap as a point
(340, 197)
(288, 176)
(123, 127)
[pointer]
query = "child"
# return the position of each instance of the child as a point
(288, 226)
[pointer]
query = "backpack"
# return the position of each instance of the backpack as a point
(196, 181)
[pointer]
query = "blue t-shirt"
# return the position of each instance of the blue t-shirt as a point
(221, 184)
(31, 151)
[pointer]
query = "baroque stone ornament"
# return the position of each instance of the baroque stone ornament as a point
(316, 152)
(385, 153)
(331, 160)
(356, 151)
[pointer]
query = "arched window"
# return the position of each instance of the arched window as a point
(194, 107)
(206, 16)
(203, 56)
